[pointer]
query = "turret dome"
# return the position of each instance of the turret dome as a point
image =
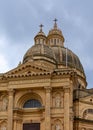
(55, 36)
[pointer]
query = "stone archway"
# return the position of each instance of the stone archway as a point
(26, 97)
(29, 110)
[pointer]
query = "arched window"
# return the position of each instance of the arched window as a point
(32, 103)
(89, 111)
(55, 41)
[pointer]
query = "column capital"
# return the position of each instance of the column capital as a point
(11, 91)
(66, 90)
(48, 89)
(17, 120)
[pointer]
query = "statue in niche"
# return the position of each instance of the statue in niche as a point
(3, 128)
(58, 101)
(57, 127)
(5, 104)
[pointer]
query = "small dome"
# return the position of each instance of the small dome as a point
(42, 34)
(55, 36)
(39, 51)
(40, 38)
(55, 31)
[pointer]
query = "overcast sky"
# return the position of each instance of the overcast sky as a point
(20, 20)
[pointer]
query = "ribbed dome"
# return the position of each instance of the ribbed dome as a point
(67, 58)
(51, 48)
(57, 54)
(39, 51)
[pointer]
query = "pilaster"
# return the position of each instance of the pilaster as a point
(10, 109)
(15, 125)
(66, 109)
(47, 109)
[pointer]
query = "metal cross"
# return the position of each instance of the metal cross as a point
(55, 20)
(41, 27)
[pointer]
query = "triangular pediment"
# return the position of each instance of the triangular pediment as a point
(28, 68)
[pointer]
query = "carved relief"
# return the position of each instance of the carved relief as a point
(3, 125)
(3, 128)
(58, 100)
(57, 127)
(57, 124)
(3, 103)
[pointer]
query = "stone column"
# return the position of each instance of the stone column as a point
(66, 109)
(15, 125)
(10, 110)
(19, 125)
(47, 109)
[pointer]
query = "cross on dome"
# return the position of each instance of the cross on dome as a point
(41, 26)
(55, 20)
(55, 24)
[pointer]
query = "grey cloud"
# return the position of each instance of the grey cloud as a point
(19, 21)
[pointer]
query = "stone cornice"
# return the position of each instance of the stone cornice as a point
(33, 74)
(25, 66)
(25, 75)
(83, 120)
(29, 110)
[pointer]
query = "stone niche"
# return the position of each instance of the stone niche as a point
(3, 125)
(57, 124)
(3, 102)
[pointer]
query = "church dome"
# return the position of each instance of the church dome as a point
(67, 58)
(39, 51)
(51, 48)
(63, 55)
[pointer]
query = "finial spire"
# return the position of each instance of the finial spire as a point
(55, 24)
(41, 27)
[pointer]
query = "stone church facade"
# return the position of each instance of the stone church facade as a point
(47, 91)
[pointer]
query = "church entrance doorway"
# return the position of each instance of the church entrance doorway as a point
(31, 126)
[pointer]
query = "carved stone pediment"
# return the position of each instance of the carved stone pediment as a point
(26, 70)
